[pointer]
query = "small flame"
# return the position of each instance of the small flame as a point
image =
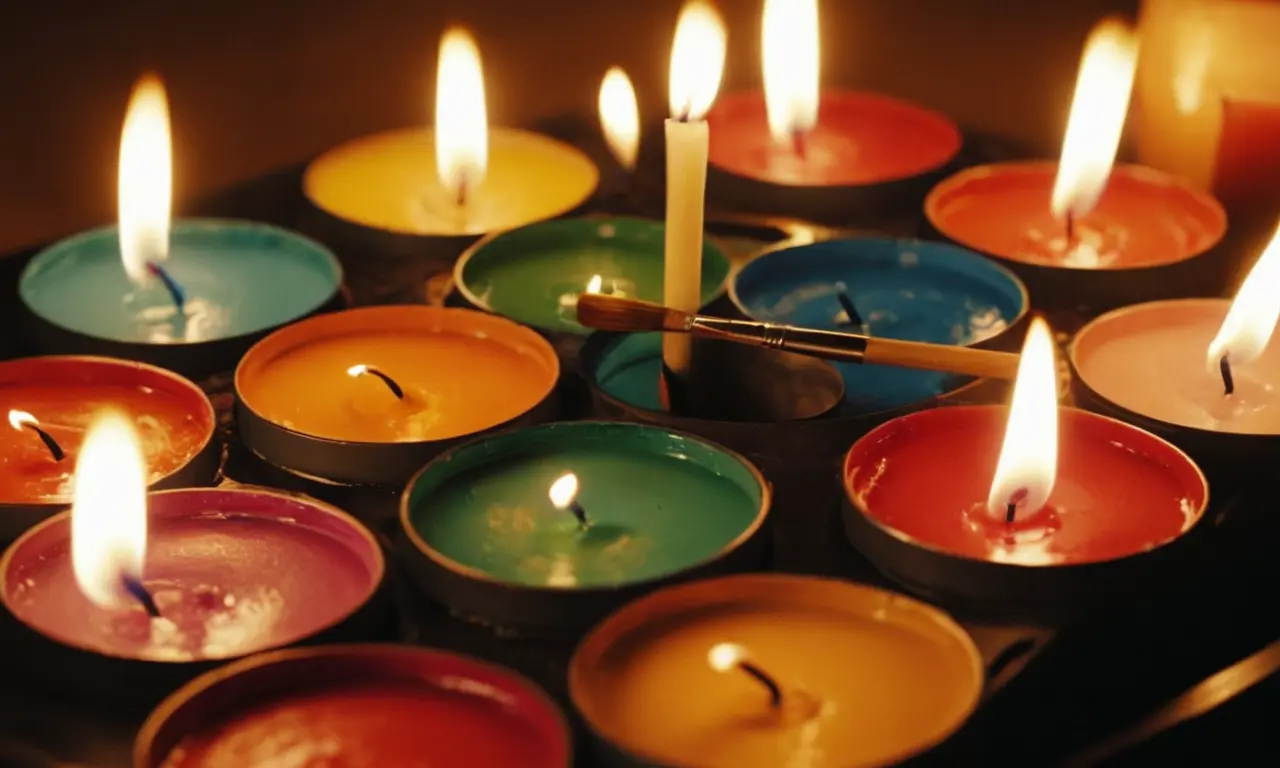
(1097, 118)
(19, 419)
(595, 284)
(725, 656)
(1028, 464)
(697, 61)
(144, 192)
(1252, 317)
(109, 511)
(620, 117)
(462, 130)
(357, 370)
(564, 490)
(791, 67)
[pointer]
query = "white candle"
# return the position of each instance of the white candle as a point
(697, 61)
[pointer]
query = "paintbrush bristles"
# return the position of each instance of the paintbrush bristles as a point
(610, 313)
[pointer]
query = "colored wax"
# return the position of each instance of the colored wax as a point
(658, 503)
(902, 289)
(240, 278)
(461, 372)
(388, 181)
(1119, 491)
(535, 274)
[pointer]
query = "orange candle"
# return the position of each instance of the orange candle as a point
(457, 371)
(770, 670)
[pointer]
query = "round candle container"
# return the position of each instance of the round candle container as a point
(901, 289)
(173, 417)
(1140, 242)
(233, 571)
(1147, 364)
(460, 373)
(867, 677)
(1122, 503)
(482, 535)
(356, 705)
(868, 155)
(241, 279)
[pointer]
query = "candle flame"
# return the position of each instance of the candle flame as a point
(791, 67)
(620, 117)
(1251, 320)
(697, 61)
(564, 490)
(595, 284)
(1028, 464)
(1097, 118)
(357, 370)
(19, 419)
(462, 130)
(144, 193)
(725, 656)
(109, 511)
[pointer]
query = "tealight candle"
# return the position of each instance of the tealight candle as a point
(549, 527)
(356, 705)
(902, 289)
(1079, 232)
(535, 274)
(190, 295)
(58, 396)
(769, 670)
(161, 583)
(369, 395)
(1069, 488)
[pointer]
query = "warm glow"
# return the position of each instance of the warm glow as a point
(462, 130)
(1028, 461)
(1098, 111)
(697, 61)
(790, 49)
(620, 117)
(19, 419)
(1252, 318)
(145, 182)
(595, 284)
(564, 490)
(109, 511)
(357, 370)
(725, 656)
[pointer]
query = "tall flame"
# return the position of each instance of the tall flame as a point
(1252, 318)
(620, 117)
(144, 193)
(462, 128)
(1028, 463)
(790, 49)
(109, 511)
(1098, 111)
(697, 61)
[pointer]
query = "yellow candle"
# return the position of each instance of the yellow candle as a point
(865, 676)
(457, 371)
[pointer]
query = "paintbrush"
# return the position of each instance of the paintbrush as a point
(610, 313)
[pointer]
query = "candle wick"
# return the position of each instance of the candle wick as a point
(135, 588)
(580, 514)
(1071, 231)
(55, 450)
(1228, 381)
(851, 312)
(762, 677)
(1015, 498)
(799, 145)
(1009, 513)
(175, 289)
(461, 197)
(395, 388)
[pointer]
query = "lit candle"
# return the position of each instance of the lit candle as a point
(462, 178)
(1081, 231)
(697, 62)
(190, 295)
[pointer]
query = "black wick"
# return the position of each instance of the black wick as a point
(390, 382)
(1071, 229)
(134, 587)
(775, 690)
(850, 311)
(1016, 498)
(55, 450)
(1228, 381)
(176, 291)
(580, 514)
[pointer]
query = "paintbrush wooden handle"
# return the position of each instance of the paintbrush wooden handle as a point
(942, 357)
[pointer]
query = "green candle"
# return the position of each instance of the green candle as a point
(535, 274)
(655, 502)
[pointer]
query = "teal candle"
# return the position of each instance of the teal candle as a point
(240, 278)
(535, 274)
(657, 503)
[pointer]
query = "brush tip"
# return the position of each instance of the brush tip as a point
(611, 313)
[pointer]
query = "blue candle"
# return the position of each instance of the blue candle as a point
(899, 289)
(239, 279)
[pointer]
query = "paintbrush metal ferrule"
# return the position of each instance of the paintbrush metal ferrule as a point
(831, 345)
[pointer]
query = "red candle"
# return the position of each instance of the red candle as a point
(173, 417)
(356, 706)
